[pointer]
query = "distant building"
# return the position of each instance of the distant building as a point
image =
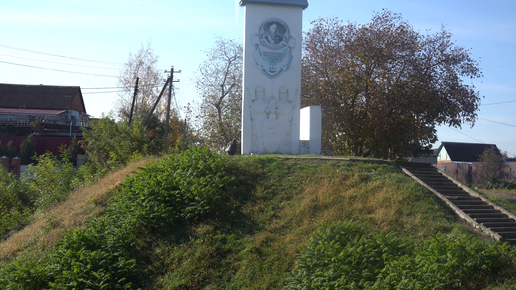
(453, 152)
(52, 114)
(54, 110)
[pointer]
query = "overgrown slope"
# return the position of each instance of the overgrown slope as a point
(200, 220)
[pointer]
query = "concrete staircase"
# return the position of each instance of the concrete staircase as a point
(467, 203)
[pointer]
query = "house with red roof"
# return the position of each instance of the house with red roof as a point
(52, 114)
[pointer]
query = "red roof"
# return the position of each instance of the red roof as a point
(41, 97)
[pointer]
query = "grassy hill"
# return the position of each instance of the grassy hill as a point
(200, 220)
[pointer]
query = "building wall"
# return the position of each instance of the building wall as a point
(42, 144)
(472, 173)
(443, 156)
(78, 104)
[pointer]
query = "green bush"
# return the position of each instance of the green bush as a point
(98, 257)
(345, 255)
(15, 203)
(110, 144)
(25, 274)
(27, 150)
(457, 262)
(51, 180)
(181, 188)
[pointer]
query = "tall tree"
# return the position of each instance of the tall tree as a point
(142, 65)
(384, 87)
(219, 83)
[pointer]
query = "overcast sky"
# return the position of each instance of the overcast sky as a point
(85, 43)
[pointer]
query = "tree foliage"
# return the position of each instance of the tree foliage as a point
(384, 87)
(27, 150)
(494, 168)
(110, 144)
(142, 65)
(8, 150)
(219, 83)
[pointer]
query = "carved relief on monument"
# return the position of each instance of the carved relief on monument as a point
(258, 113)
(271, 121)
(273, 46)
(285, 113)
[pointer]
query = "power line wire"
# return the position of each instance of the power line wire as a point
(57, 55)
(47, 61)
(498, 103)
(104, 88)
(98, 75)
(497, 122)
(105, 92)
(473, 138)
(467, 135)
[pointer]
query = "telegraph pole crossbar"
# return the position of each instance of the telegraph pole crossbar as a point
(165, 147)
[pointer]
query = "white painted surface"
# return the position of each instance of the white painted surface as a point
(271, 98)
(311, 128)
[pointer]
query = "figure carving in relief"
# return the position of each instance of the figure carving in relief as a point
(272, 109)
(258, 115)
(285, 108)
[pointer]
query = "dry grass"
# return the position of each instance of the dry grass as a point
(82, 205)
(387, 204)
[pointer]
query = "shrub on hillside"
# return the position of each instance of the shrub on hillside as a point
(110, 144)
(181, 188)
(51, 180)
(345, 255)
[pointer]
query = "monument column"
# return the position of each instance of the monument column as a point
(272, 76)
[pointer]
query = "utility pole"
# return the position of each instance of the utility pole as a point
(134, 100)
(165, 147)
(157, 101)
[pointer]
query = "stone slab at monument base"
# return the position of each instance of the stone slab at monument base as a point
(310, 130)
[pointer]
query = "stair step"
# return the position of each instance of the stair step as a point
(482, 206)
(503, 229)
(463, 197)
(470, 211)
(510, 241)
(488, 215)
(508, 234)
(467, 202)
(455, 195)
(500, 224)
(440, 183)
(452, 191)
(428, 175)
(494, 220)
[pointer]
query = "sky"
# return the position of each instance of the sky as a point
(86, 43)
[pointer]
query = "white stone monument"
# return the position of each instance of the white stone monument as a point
(310, 130)
(272, 76)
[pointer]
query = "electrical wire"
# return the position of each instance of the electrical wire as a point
(104, 88)
(44, 68)
(473, 138)
(489, 104)
(497, 122)
(91, 93)
(57, 55)
(47, 61)
(466, 135)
